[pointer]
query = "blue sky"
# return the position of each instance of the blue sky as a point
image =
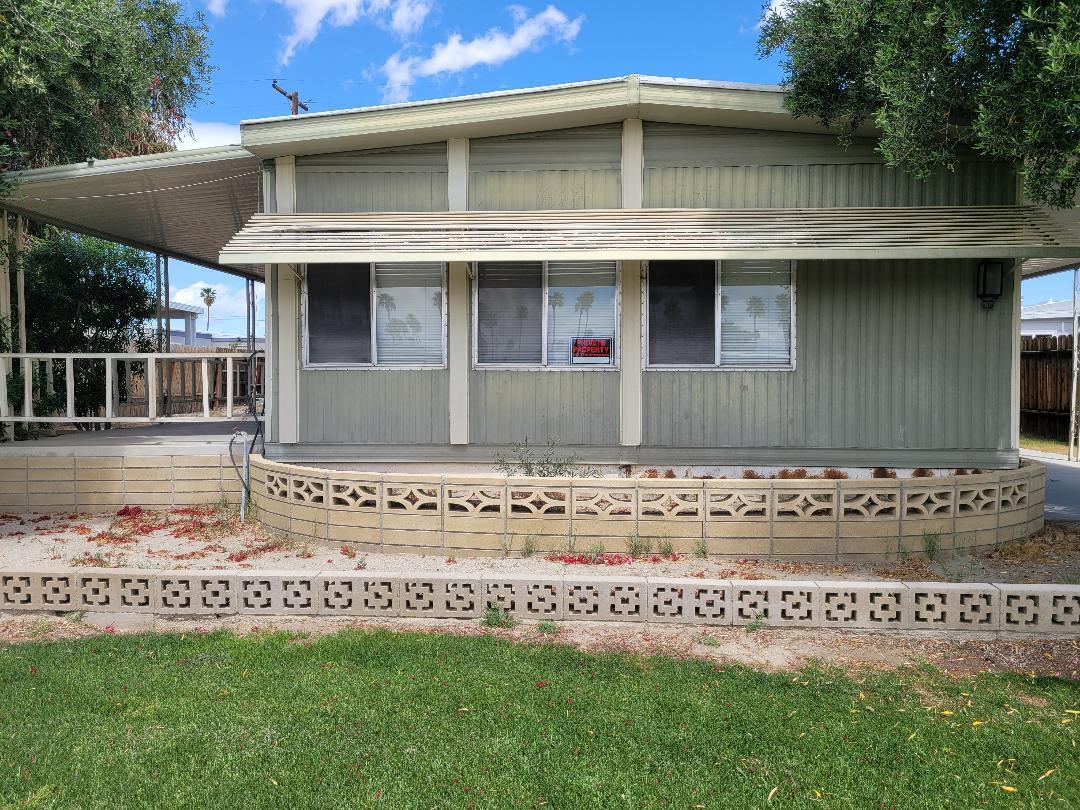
(353, 53)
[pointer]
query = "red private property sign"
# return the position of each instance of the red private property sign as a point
(591, 351)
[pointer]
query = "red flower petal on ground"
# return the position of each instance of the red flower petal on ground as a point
(541, 684)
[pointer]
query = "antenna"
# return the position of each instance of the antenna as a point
(293, 97)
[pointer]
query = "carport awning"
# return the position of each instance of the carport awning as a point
(185, 204)
(819, 233)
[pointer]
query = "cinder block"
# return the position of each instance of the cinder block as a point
(476, 540)
(951, 606)
(739, 546)
(99, 462)
(1040, 608)
(354, 534)
(145, 462)
(13, 462)
(197, 593)
(863, 605)
(139, 475)
(689, 600)
(441, 597)
(50, 487)
(366, 594)
(738, 529)
(277, 593)
(84, 487)
(411, 537)
(210, 460)
(598, 598)
(525, 597)
(801, 545)
(99, 474)
(16, 475)
(40, 463)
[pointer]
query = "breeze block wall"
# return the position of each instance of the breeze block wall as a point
(818, 519)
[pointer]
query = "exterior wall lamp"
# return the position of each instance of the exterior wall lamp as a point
(989, 283)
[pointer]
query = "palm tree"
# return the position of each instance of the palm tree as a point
(582, 306)
(209, 296)
(755, 307)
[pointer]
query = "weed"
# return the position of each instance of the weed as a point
(709, 640)
(597, 552)
(528, 546)
(494, 616)
(571, 544)
(547, 628)
(665, 549)
(922, 472)
(751, 475)
(39, 628)
(638, 546)
(524, 460)
(77, 616)
(882, 472)
(756, 623)
(930, 544)
(506, 543)
(833, 474)
(701, 548)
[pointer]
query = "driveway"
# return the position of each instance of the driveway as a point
(1062, 486)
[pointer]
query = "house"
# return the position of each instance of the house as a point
(1048, 318)
(655, 271)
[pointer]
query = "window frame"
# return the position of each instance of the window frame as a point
(474, 321)
(716, 365)
(305, 338)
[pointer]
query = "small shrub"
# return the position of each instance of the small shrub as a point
(638, 546)
(792, 475)
(571, 544)
(883, 472)
(523, 460)
(547, 628)
(960, 471)
(709, 640)
(922, 472)
(528, 546)
(506, 543)
(930, 544)
(752, 475)
(597, 552)
(756, 623)
(494, 616)
(702, 548)
(651, 473)
(834, 474)
(666, 549)
(669, 473)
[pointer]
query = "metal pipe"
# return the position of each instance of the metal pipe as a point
(246, 479)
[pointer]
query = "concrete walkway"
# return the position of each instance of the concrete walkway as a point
(1062, 485)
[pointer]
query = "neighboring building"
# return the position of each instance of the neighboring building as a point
(189, 314)
(1049, 318)
(654, 271)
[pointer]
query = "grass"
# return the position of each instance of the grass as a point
(1044, 445)
(378, 719)
(494, 616)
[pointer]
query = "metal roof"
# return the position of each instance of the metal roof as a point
(661, 233)
(185, 204)
(1048, 309)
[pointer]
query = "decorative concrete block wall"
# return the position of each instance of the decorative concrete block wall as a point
(818, 519)
(106, 483)
(989, 608)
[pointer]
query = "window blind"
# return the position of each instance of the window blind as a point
(509, 312)
(581, 303)
(338, 313)
(755, 313)
(682, 313)
(408, 314)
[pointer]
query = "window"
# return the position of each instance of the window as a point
(751, 302)
(406, 300)
(530, 313)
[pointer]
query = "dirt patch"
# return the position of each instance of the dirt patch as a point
(767, 649)
(215, 538)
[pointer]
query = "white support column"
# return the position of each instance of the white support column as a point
(287, 313)
(228, 386)
(457, 174)
(205, 388)
(20, 280)
(69, 386)
(1017, 273)
(630, 359)
(151, 388)
(5, 313)
(269, 370)
(457, 350)
(109, 412)
(28, 387)
(1074, 450)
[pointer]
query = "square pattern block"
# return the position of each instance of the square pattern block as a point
(367, 594)
(690, 601)
(198, 593)
(622, 599)
(862, 605)
(441, 597)
(287, 593)
(794, 603)
(525, 598)
(1040, 608)
(951, 606)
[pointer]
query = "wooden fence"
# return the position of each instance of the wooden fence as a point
(1045, 385)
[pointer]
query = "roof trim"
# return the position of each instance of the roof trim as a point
(657, 233)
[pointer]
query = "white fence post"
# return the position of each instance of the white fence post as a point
(28, 387)
(228, 386)
(206, 388)
(69, 385)
(151, 387)
(108, 388)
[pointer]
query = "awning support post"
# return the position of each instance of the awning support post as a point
(1074, 439)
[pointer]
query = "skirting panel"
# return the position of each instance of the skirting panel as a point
(820, 519)
(1053, 609)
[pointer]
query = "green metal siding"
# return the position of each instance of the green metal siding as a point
(564, 169)
(716, 167)
(576, 407)
(889, 355)
(374, 406)
(409, 178)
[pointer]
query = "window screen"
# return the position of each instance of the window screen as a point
(755, 313)
(509, 312)
(339, 313)
(408, 314)
(682, 313)
(581, 303)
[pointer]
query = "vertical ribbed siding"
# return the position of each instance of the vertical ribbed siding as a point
(563, 169)
(889, 354)
(374, 406)
(575, 407)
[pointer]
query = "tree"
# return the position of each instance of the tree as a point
(85, 295)
(938, 77)
(209, 296)
(96, 78)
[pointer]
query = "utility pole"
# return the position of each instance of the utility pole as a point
(293, 97)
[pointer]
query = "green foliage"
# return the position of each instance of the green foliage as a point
(941, 77)
(402, 720)
(494, 616)
(96, 78)
(638, 546)
(528, 546)
(547, 628)
(525, 460)
(931, 542)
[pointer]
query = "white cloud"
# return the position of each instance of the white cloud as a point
(493, 48)
(228, 313)
(782, 8)
(209, 133)
(404, 18)
(217, 7)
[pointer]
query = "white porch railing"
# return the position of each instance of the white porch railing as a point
(155, 386)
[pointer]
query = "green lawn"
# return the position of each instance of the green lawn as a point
(407, 720)
(1044, 445)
